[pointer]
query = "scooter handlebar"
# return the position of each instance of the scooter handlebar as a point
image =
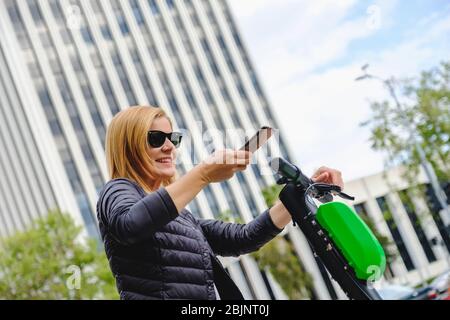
(290, 172)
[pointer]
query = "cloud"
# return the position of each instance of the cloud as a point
(292, 38)
(296, 47)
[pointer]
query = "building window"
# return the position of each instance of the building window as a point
(67, 39)
(54, 126)
(123, 24)
(87, 36)
(91, 225)
(45, 97)
(256, 85)
(195, 209)
(170, 4)
(137, 12)
(45, 39)
(123, 78)
(55, 66)
(258, 176)
(14, 15)
(154, 6)
(230, 200)
(23, 41)
(76, 63)
(35, 12)
(34, 70)
(107, 90)
(247, 194)
(415, 222)
(96, 6)
(105, 32)
(96, 61)
(387, 214)
(247, 281)
(56, 11)
(434, 206)
(212, 201)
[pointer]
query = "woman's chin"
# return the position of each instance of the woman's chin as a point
(167, 173)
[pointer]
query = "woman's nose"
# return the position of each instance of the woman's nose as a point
(167, 146)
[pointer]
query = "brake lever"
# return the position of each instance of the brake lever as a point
(322, 189)
(345, 196)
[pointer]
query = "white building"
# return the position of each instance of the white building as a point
(408, 221)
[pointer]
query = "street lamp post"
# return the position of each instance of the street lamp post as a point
(429, 171)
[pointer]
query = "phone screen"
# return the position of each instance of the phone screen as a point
(259, 139)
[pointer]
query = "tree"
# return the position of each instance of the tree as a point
(279, 257)
(49, 260)
(426, 109)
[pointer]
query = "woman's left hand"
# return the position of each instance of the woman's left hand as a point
(328, 175)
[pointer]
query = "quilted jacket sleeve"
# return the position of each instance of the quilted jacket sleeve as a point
(128, 216)
(233, 239)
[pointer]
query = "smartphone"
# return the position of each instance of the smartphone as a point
(259, 139)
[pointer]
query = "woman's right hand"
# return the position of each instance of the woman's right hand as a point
(222, 164)
(219, 166)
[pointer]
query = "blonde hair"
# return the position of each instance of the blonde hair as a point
(126, 147)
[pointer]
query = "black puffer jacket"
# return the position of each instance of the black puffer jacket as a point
(156, 253)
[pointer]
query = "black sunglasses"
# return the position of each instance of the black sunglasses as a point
(156, 138)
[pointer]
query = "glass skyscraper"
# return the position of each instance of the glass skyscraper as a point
(67, 66)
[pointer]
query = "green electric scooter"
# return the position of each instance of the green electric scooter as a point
(339, 238)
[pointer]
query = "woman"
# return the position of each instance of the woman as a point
(156, 248)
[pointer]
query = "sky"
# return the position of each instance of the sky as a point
(307, 54)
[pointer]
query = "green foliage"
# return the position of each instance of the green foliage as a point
(425, 111)
(279, 257)
(228, 216)
(50, 261)
(271, 194)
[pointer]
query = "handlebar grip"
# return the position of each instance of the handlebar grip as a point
(289, 171)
